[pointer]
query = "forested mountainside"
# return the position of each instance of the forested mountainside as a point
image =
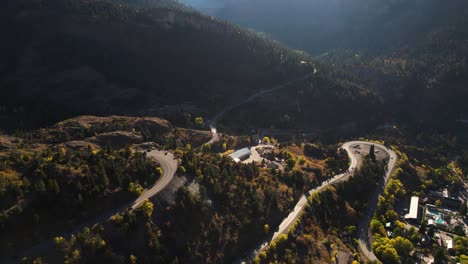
(411, 53)
(424, 85)
(318, 26)
(81, 171)
(377, 119)
(64, 58)
(156, 3)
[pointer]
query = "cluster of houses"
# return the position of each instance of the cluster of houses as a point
(443, 217)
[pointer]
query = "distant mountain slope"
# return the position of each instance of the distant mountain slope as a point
(69, 57)
(426, 83)
(156, 3)
(411, 52)
(93, 56)
(321, 25)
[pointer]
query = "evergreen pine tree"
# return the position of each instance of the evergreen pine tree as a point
(41, 187)
(53, 186)
(372, 153)
(104, 178)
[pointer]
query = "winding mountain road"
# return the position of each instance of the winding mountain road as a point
(214, 135)
(363, 233)
(254, 96)
(169, 166)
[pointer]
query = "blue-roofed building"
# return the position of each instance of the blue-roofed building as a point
(240, 155)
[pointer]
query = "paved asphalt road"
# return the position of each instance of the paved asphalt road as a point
(255, 156)
(259, 94)
(363, 233)
(169, 167)
(214, 135)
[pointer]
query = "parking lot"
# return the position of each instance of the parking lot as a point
(363, 150)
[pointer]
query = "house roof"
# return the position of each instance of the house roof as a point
(413, 212)
(449, 243)
(240, 154)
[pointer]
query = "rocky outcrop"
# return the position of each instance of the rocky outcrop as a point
(116, 139)
(153, 125)
(78, 145)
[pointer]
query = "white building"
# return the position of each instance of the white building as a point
(413, 211)
(449, 243)
(240, 155)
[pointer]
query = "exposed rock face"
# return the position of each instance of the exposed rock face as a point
(195, 137)
(119, 131)
(88, 121)
(153, 125)
(78, 144)
(117, 139)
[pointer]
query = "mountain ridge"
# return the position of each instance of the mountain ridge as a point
(79, 57)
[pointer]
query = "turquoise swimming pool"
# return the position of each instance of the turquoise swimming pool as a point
(436, 215)
(433, 211)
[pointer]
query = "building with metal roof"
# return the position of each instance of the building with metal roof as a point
(240, 155)
(414, 208)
